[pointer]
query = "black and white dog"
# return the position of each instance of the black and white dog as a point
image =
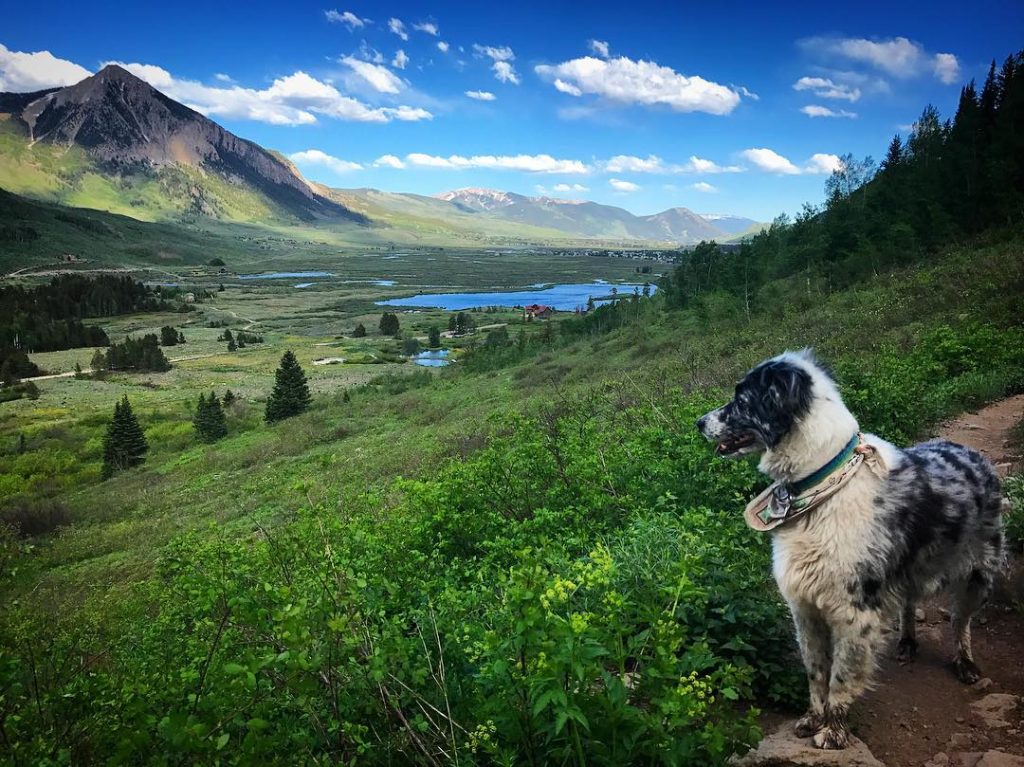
(931, 520)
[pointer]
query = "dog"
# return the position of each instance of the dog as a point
(929, 520)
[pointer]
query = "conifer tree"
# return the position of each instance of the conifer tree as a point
(291, 392)
(360, 331)
(209, 420)
(124, 445)
(229, 398)
(434, 337)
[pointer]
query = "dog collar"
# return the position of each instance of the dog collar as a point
(802, 485)
(783, 502)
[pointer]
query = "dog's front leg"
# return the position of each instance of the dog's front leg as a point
(855, 640)
(815, 640)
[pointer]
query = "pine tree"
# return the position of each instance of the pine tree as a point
(291, 392)
(229, 398)
(124, 445)
(389, 325)
(209, 420)
(232, 346)
(360, 331)
(434, 337)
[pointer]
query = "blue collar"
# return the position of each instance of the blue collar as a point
(802, 485)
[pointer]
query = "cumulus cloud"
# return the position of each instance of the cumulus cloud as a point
(400, 60)
(769, 160)
(704, 186)
(442, 46)
(570, 188)
(296, 99)
(815, 110)
(539, 163)
(827, 89)
(388, 161)
(427, 26)
(628, 164)
(946, 67)
(823, 163)
(347, 18)
(316, 157)
(623, 186)
(24, 72)
(396, 26)
(626, 81)
(600, 47)
(700, 165)
(896, 56)
(501, 62)
(378, 77)
(220, 76)
(481, 95)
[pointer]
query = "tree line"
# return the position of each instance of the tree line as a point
(946, 182)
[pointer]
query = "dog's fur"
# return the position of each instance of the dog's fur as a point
(872, 550)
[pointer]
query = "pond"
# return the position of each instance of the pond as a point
(566, 297)
(432, 359)
(283, 275)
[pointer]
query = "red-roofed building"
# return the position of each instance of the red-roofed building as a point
(537, 311)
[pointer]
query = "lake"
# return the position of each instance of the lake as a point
(565, 297)
(432, 359)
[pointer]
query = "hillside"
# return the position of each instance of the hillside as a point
(113, 141)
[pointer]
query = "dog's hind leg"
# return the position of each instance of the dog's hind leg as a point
(968, 597)
(815, 640)
(855, 644)
(907, 647)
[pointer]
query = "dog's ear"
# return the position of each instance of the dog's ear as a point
(789, 388)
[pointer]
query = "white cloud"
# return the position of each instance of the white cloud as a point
(400, 60)
(600, 47)
(396, 26)
(292, 100)
(704, 186)
(823, 163)
(442, 46)
(223, 77)
(380, 78)
(746, 92)
(700, 165)
(769, 160)
(628, 164)
(388, 161)
(946, 67)
(570, 188)
(626, 81)
(827, 89)
(896, 56)
(815, 110)
(501, 62)
(25, 72)
(623, 186)
(540, 163)
(347, 18)
(316, 157)
(427, 26)
(481, 95)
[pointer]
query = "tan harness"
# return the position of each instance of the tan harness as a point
(782, 502)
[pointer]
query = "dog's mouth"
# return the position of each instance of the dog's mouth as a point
(736, 444)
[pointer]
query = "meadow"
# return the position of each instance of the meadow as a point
(471, 563)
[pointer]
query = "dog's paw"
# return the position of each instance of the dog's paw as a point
(807, 725)
(832, 738)
(966, 670)
(906, 650)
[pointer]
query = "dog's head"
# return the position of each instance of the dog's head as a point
(769, 401)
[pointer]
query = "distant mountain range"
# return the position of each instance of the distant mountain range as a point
(113, 142)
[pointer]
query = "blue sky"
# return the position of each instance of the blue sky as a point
(719, 107)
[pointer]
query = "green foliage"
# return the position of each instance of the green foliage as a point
(434, 337)
(360, 331)
(209, 421)
(139, 355)
(389, 325)
(291, 392)
(168, 336)
(410, 346)
(124, 445)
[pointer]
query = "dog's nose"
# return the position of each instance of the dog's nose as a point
(700, 422)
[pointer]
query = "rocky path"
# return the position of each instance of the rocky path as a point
(919, 715)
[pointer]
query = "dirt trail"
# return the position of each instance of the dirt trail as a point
(919, 715)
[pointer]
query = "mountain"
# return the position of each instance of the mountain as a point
(732, 225)
(129, 135)
(590, 219)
